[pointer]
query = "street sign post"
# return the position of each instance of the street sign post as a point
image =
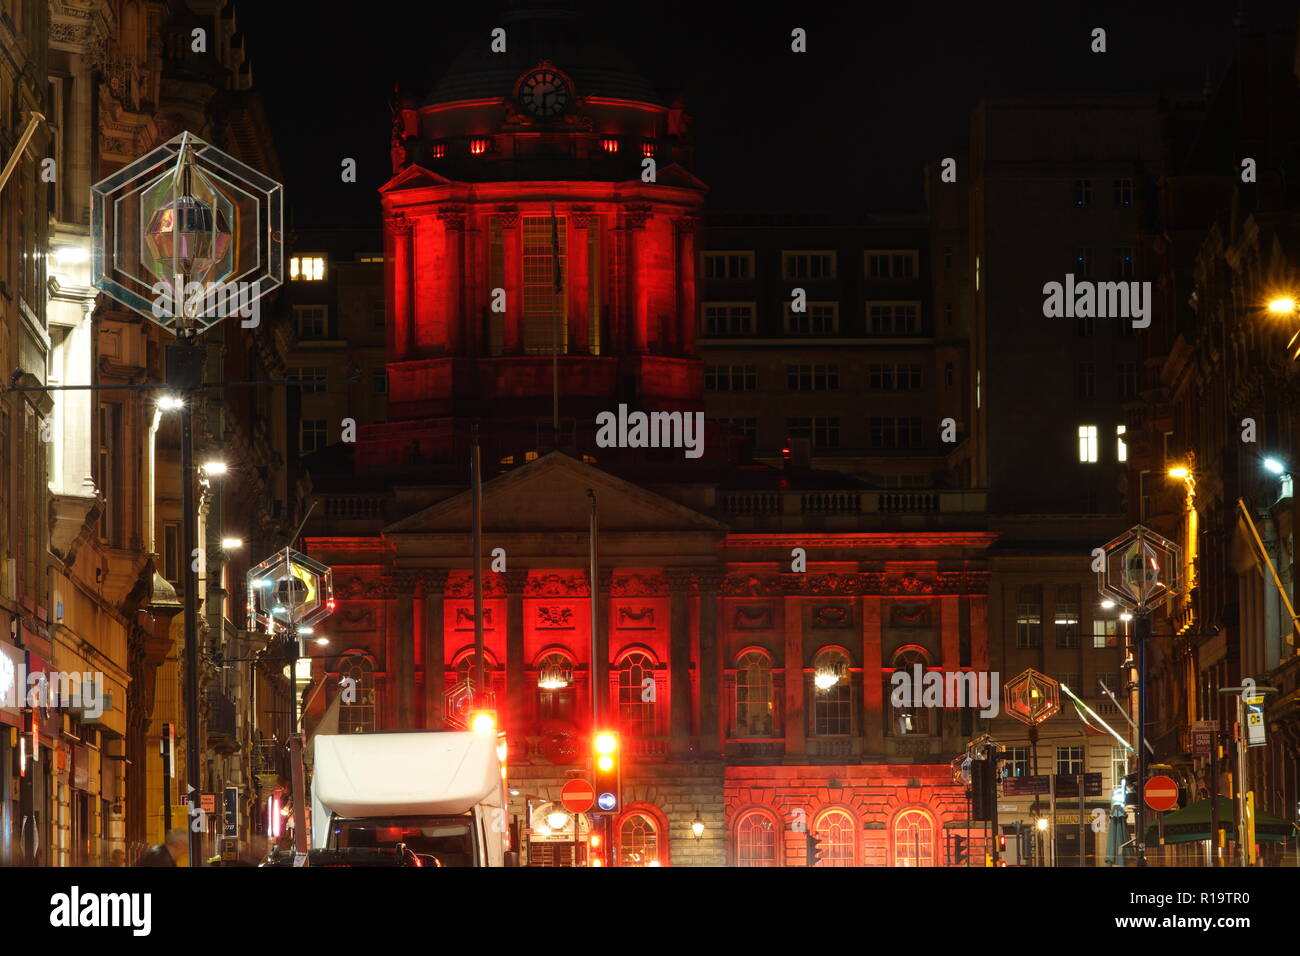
(1160, 793)
(577, 796)
(1025, 786)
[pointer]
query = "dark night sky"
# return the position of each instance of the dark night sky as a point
(846, 126)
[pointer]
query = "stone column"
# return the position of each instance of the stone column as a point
(401, 331)
(795, 694)
(579, 284)
(638, 286)
(404, 659)
(711, 665)
(453, 224)
(687, 321)
(513, 244)
(873, 693)
(680, 582)
(435, 656)
(514, 710)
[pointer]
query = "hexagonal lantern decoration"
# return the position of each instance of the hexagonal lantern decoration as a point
(1141, 569)
(187, 235)
(1031, 697)
(289, 589)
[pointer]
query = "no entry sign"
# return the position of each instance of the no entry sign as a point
(1160, 793)
(577, 796)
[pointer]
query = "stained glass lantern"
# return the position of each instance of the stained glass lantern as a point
(289, 589)
(1140, 569)
(1031, 697)
(186, 236)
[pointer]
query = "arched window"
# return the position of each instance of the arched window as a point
(357, 700)
(636, 699)
(754, 698)
(913, 838)
(639, 840)
(837, 835)
(909, 717)
(465, 670)
(756, 839)
(832, 694)
(555, 692)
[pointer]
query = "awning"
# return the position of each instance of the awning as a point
(1193, 823)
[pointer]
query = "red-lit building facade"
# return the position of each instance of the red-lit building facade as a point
(770, 714)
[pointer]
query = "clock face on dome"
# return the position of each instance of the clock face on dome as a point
(544, 93)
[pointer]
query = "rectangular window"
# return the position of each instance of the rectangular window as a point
(1124, 262)
(808, 265)
(947, 314)
(1105, 633)
(311, 321)
(747, 428)
(311, 435)
(307, 268)
(1121, 446)
(1118, 765)
(1088, 443)
(948, 374)
(544, 329)
(894, 431)
(1015, 762)
(728, 318)
(1123, 190)
(1029, 618)
(1085, 380)
(1083, 192)
(821, 318)
(312, 380)
(730, 378)
(897, 378)
(824, 432)
(1069, 760)
(893, 263)
(893, 318)
(1067, 616)
(1128, 380)
(108, 471)
(379, 381)
(812, 378)
(728, 265)
(1083, 262)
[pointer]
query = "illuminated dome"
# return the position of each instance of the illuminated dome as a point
(535, 32)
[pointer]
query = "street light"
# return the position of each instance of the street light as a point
(169, 403)
(1284, 305)
(557, 819)
(231, 544)
(214, 468)
(697, 827)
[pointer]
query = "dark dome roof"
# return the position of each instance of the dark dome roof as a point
(540, 31)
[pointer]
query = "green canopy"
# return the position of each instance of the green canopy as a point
(1193, 823)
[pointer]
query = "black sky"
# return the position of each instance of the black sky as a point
(847, 126)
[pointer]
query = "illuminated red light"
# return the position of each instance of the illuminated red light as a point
(439, 150)
(647, 149)
(609, 144)
(478, 145)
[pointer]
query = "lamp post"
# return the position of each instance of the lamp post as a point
(1140, 570)
(186, 236)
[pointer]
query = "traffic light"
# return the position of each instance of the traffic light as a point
(960, 854)
(605, 770)
(1002, 849)
(983, 787)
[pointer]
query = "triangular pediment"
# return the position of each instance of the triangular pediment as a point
(415, 177)
(676, 174)
(550, 495)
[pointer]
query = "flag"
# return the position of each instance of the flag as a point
(1088, 726)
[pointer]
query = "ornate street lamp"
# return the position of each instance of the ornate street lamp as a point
(1140, 570)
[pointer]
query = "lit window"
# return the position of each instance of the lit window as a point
(1067, 616)
(439, 150)
(609, 144)
(756, 840)
(647, 149)
(307, 268)
(1015, 762)
(833, 703)
(478, 145)
(1121, 446)
(808, 265)
(837, 834)
(913, 839)
(640, 841)
(1105, 633)
(754, 701)
(1088, 443)
(1029, 618)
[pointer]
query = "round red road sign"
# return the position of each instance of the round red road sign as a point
(577, 796)
(1160, 793)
